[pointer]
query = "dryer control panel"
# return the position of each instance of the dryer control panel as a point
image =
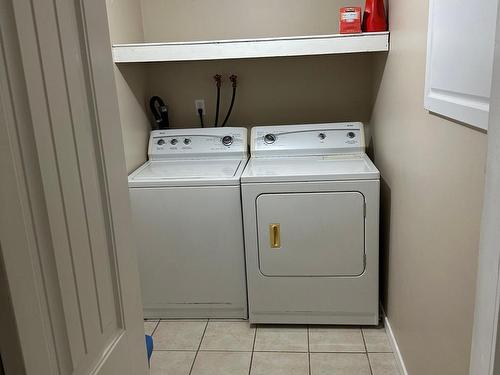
(198, 143)
(308, 139)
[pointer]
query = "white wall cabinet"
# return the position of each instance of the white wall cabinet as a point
(460, 59)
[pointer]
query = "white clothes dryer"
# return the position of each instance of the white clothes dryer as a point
(310, 200)
(186, 207)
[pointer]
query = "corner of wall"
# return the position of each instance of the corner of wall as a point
(126, 25)
(131, 90)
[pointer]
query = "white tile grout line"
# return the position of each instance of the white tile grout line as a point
(308, 350)
(366, 350)
(198, 350)
(331, 352)
(152, 333)
(253, 349)
(155, 328)
(265, 351)
(224, 351)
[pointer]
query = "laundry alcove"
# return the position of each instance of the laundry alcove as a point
(292, 65)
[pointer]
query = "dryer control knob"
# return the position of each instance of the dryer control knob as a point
(227, 140)
(269, 138)
(351, 135)
(187, 141)
(160, 142)
(174, 142)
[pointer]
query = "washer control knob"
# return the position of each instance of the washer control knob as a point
(351, 135)
(227, 140)
(187, 141)
(322, 136)
(173, 141)
(160, 142)
(269, 138)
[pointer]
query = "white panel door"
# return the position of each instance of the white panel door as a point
(311, 234)
(65, 224)
(460, 59)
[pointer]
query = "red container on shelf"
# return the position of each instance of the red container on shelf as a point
(374, 18)
(350, 20)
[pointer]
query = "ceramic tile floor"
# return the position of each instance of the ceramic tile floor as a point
(234, 347)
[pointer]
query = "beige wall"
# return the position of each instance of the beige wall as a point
(289, 90)
(270, 91)
(433, 172)
(181, 20)
(125, 23)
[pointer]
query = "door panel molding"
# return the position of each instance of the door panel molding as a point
(459, 64)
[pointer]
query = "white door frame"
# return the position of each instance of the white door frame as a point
(485, 356)
(63, 194)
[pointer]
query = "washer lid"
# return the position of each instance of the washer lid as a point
(185, 172)
(310, 168)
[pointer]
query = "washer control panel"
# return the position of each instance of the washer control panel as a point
(308, 139)
(199, 142)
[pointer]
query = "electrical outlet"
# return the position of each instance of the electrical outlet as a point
(200, 104)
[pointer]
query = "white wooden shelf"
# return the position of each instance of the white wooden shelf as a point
(251, 48)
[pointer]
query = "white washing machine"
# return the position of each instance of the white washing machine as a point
(310, 199)
(186, 207)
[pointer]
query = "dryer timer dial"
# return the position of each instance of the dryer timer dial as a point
(269, 138)
(227, 140)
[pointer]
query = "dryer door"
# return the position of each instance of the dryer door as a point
(311, 234)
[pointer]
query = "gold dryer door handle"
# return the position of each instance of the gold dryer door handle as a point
(274, 236)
